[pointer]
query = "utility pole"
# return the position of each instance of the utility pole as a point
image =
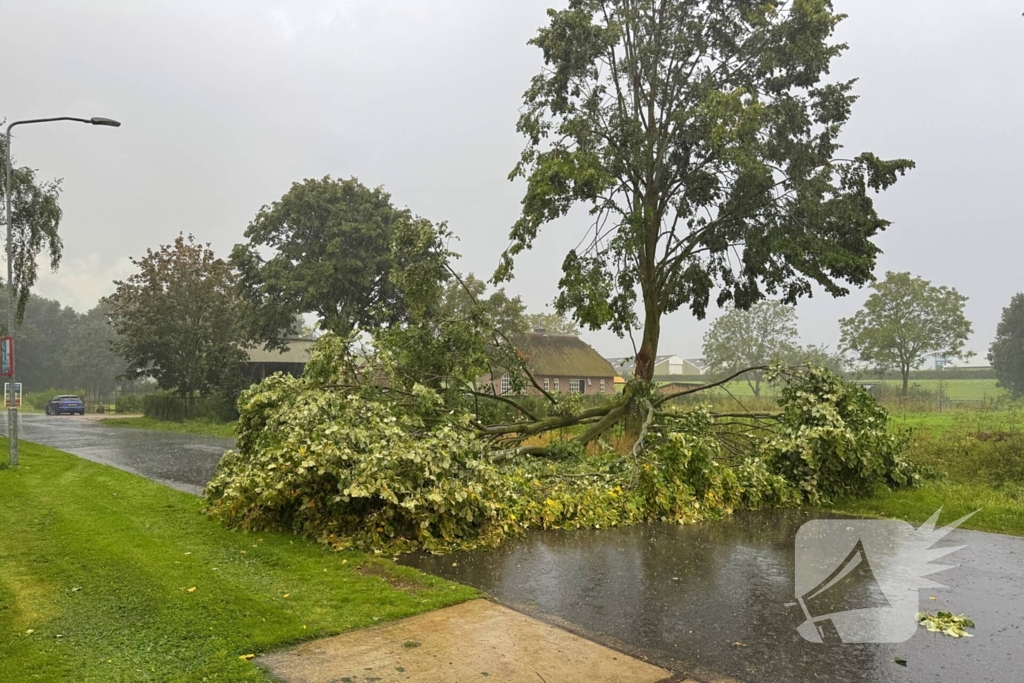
(12, 411)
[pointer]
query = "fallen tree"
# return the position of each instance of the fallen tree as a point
(367, 464)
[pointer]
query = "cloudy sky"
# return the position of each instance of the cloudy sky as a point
(226, 103)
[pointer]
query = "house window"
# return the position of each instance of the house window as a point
(506, 385)
(602, 386)
(556, 386)
(547, 384)
(575, 386)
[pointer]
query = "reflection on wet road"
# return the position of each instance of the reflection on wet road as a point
(183, 461)
(712, 597)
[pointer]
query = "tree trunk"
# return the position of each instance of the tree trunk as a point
(905, 370)
(647, 355)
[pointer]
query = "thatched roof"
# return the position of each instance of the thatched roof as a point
(563, 356)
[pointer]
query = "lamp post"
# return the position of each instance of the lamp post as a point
(12, 412)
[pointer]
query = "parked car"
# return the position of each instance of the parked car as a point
(71, 405)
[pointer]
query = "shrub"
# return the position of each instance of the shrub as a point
(174, 408)
(128, 403)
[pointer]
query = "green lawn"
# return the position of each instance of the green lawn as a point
(1001, 511)
(204, 427)
(105, 576)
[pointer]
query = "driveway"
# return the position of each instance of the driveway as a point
(182, 461)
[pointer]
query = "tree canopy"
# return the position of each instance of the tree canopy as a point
(904, 322)
(1007, 351)
(36, 216)
(703, 137)
(553, 323)
(339, 250)
(177, 319)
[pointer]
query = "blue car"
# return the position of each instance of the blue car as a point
(69, 405)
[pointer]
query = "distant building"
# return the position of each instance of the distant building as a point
(560, 364)
(664, 366)
(263, 363)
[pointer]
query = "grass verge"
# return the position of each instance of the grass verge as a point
(203, 427)
(105, 576)
(1001, 510)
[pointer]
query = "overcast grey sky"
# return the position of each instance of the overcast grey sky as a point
(225, 103)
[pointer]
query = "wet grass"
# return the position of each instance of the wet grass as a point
(1001, 510)
(105, 576)
(202, 427)
(972, 460)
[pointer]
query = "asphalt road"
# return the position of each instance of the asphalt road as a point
(712, 598)
(182, 461)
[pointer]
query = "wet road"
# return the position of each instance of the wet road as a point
(683, 596)
(183, 461)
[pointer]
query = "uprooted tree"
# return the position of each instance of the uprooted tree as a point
(702, 137)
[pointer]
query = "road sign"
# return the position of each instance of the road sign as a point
(17, 394)
(6, 357)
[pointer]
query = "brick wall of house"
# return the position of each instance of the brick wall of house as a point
(593, 387)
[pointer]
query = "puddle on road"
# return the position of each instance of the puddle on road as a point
(713, 597)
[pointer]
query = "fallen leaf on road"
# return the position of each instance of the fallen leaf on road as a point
(739, 644)
(945, 622)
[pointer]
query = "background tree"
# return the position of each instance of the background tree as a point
(751, 338)
(1007, 351)
(36, 215)
(339, 250)
(704, 139)
(817, 356)
(177, 319)
(90, 361)
(43, 341)
(553, 323)
(904, 322)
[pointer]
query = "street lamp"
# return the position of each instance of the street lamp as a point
(12, 412)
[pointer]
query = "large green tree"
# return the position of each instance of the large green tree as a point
(703, 136)
(1007, 351)
(904, 322)
(339, 250)
(35, 218)
(177, 319)
(756, 337)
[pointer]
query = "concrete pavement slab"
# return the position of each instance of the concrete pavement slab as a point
(477, 641)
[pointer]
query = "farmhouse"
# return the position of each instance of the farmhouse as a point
(263, 363)
(561, 364)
